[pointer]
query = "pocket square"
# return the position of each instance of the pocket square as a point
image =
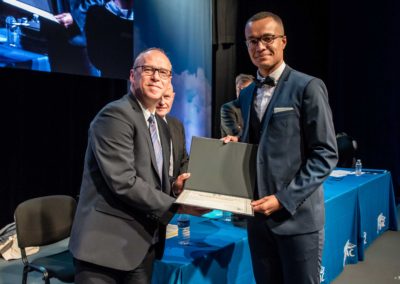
(282, 109)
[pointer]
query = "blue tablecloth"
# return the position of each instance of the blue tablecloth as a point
(218, 253)
(358, 210)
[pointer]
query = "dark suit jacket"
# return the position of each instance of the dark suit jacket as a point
(297, 150)
(122, 200)
(231, 119)
(181, 157)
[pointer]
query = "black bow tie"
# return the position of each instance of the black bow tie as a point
(267, 81)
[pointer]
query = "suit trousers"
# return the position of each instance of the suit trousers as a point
(89, 273)
(288, 259)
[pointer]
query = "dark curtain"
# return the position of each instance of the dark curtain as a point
(363, 73)
(44, 123)
(224, 57)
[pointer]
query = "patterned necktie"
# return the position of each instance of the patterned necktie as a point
(156, 143)
(267, 81)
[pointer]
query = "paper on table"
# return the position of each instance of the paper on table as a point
(340, 173)
(172, 231)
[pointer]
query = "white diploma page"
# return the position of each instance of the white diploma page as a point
(222, 176)
(209, 200)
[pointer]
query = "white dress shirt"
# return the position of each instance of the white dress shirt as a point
(264, 94)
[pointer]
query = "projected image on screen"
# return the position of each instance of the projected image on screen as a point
(182, 29)
(85, 37)
(40, 4)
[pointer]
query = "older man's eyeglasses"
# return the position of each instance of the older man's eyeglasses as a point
(265, 39)
(148, 70)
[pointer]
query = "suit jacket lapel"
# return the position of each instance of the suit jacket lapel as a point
(146, 132)
(165, 139)
(174, 135)
(246, 103)
(238, 114)
(278, 90)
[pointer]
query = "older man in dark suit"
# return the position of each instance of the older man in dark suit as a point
(231, 116)
(287, 114)
(125, 198)
(179, 157)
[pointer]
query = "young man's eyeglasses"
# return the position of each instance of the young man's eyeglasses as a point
(265, 39)
(148, 70)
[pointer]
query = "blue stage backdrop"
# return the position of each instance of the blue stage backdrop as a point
(183, 29)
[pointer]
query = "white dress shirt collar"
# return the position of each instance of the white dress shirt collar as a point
(275, 74)
(146, 112)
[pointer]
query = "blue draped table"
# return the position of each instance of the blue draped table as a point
(218, 253)
(358, 210)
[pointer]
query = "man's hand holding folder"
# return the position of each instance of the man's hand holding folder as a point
(221, 175)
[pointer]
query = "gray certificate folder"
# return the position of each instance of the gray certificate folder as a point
(219, 169)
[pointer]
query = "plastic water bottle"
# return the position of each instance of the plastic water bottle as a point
(358, 169)
(183, 229)
(226, 216)
(13, 31)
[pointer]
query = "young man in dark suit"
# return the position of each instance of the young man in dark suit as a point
(125, 199)
(287, 114)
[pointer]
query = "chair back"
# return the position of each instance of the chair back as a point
(44, 220)
(347, 150)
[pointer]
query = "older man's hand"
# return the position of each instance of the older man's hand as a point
(177, 185)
